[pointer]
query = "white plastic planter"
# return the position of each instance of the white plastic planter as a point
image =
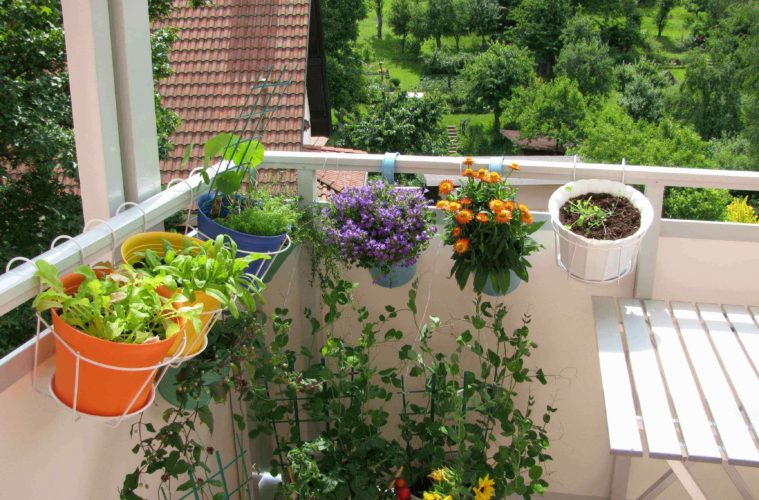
(598, 261)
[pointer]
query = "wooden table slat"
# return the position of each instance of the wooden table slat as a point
(736, 439)
(661, 434)
(736, 365)
(694, 422)
(624, 436)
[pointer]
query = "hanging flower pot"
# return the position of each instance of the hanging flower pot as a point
(489, 230)
(103, 333)
(398, 275)
(599, 226)
(514, 282)
(233, 213)
(380, 228)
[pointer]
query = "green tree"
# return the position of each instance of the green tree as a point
(496, 73)
(378, 6)
(439, 16)
(397, 123)
(482, 17)
(589, 64)
(663, 11)
(400, 19)
(445, 63)
(642, 87)
(554, 109)
(538, 25)
(620, 23)
(345, 75)
(581, 28)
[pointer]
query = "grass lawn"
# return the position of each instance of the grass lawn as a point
(672, 43)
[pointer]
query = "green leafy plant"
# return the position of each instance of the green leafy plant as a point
(589, 215)
(211, 267)
(118, 305)
(262, 214)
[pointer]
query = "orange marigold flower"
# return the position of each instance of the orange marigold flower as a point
(461, 246)
(525, 215)
(445, 187)
(442, 204)
(503, 216)
(456, 232)
(454, 206)
(493, 177)
(466, 201)
(482, 173)
(514, 166)
(469, 173)
(496, 206)
(464, 216)
(509, 205)
(483, 217)
(468, 161)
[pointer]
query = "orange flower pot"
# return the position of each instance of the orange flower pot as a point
(102, 391)
(195, 340)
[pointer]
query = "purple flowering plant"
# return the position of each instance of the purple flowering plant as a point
(378, 225)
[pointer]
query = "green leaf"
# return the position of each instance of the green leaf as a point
(215, 144)
(206, 417)
(187, 153)
(536, 472)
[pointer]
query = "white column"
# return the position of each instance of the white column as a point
(93, 100)
(130, 39)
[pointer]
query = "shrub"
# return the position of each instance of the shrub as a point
(740, 211)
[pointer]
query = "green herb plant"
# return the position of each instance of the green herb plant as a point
(590, 215)
(262, 214)
(212, 267)
(121, 305)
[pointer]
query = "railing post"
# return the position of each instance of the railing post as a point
(645, 275)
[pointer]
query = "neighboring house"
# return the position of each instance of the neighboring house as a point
(544, 146)
(221, 51)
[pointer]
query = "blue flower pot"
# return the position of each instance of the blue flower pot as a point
(245, 242)
(514, 282)
(398, 275)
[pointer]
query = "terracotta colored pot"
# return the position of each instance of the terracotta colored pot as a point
(102, 391)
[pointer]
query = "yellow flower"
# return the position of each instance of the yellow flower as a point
(496, 206)
(483, 217)
(468, 161)
(465, 201)
(456, 232)
(436, 496)
(442, 205)
(482, 173)
(503, 217)
(509, 205)
(445, 187)
(514, 166)
(438, 475)
(469, 173)
(485, 489)
(464, 216)
(461, 246)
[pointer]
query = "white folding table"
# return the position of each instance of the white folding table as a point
(687, 376)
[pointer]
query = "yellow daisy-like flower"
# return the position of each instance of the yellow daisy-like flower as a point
(503, 217)
(514, 166)
(456, 232)
(464, 216)
(483, 217)
(485, 489)
(454, 206)
(436, 496)
(482, 173)
(445, 187)
(509, 205)
(461, 246)
(469, 173)
(442, 204)
(468, 161)
(496, 206)
(438, 475)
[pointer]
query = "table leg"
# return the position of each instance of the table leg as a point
(620, 474)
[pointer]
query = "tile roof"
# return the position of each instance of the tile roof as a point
(221, 50)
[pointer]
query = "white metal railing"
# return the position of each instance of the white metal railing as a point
(20, 285)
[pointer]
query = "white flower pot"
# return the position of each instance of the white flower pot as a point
(598, 261)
